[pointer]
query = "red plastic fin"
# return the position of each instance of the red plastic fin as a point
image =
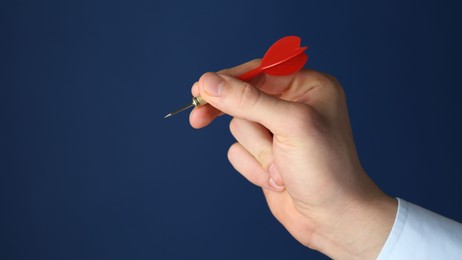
(280, 50)
(289, 67)
(250, 74)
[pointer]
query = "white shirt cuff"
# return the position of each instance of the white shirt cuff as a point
(421, 234)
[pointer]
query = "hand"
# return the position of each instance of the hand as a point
(294, 140)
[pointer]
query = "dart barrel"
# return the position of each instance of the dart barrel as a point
(198, 101)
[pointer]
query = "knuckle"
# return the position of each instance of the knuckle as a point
(321, 77)
(334, 85)
(264, 157)
(248, 96)
(232, 151)
(305, 120)
(234, 126)
(253, 173)
(329, 83)
(327, 90)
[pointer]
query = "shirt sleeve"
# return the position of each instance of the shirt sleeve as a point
(421, 234)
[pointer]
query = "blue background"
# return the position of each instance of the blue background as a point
(91, 170)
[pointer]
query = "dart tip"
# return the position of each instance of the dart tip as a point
(178, 111)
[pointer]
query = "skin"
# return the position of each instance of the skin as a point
(294, 140)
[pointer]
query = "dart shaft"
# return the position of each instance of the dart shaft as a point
(196, 102)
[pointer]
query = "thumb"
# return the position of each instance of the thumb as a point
(240, 99)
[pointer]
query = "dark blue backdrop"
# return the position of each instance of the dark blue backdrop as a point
(91, 170)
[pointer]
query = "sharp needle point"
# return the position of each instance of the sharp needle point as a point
(179, 110)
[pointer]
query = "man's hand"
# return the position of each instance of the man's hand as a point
(294, 140)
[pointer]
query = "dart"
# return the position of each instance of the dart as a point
(283, 58)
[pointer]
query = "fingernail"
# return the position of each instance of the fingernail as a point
(274, 186)
(213, 84)
(274, 173)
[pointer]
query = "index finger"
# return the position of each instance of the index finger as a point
(204, 115)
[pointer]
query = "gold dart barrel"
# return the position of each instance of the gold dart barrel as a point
(198, 101)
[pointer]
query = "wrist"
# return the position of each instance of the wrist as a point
(357, 228)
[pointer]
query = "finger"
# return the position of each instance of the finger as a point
(232, 72)
(255, 138)
(195, 89)
(275, 176)
(240, 99)
(320, 91)
(250, 168)
(258, 141)
(204, 115)
(241, 69)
